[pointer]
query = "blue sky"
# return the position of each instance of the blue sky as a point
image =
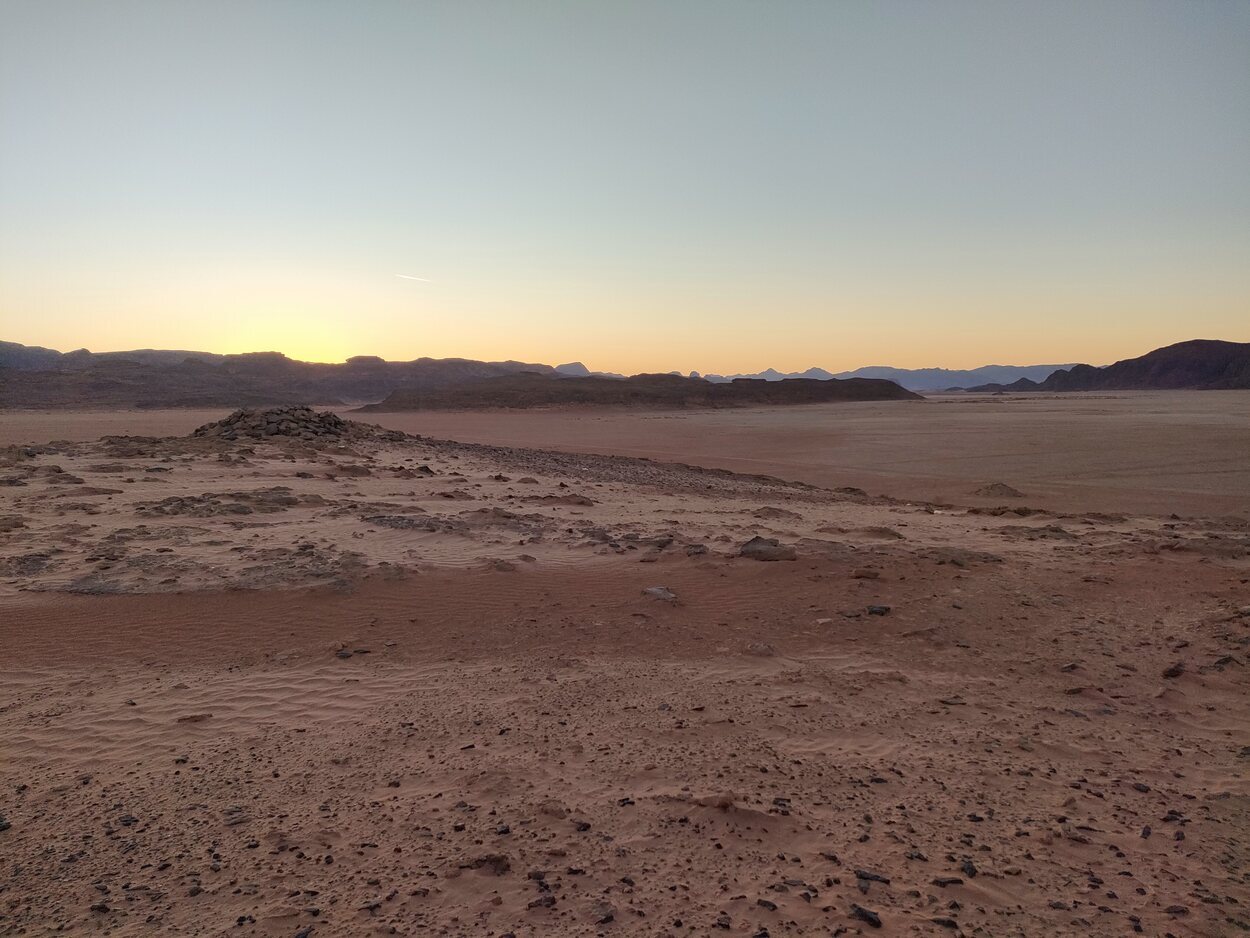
(644, 186)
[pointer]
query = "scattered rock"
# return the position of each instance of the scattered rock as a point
(766, 548)
(494, 863)
(865, 915)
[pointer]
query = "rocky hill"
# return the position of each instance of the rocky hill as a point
(1199, 364)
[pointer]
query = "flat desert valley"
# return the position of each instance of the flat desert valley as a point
(973, 665)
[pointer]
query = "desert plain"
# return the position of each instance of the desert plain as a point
(973, 665)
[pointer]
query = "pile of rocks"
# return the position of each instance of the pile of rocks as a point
(297, 422)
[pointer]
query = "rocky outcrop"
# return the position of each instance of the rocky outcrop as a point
(301, 423)
(660, 391)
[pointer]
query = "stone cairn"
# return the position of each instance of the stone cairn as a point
(296, 422)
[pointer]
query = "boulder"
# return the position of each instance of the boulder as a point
(662, 593)
(766, 548)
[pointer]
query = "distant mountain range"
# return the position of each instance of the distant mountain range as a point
(37, 358)
(1199, 364)
(39, 377)
(916, 379)
(36, 377)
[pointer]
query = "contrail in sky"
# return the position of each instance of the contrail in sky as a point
(407, 277)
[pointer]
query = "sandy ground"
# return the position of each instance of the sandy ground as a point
(1160, 452)
(389, 685)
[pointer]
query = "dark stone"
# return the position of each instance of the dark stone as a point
(865, 915)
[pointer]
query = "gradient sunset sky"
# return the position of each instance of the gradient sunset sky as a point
(645, 186)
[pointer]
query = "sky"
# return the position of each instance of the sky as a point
(649, 185)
